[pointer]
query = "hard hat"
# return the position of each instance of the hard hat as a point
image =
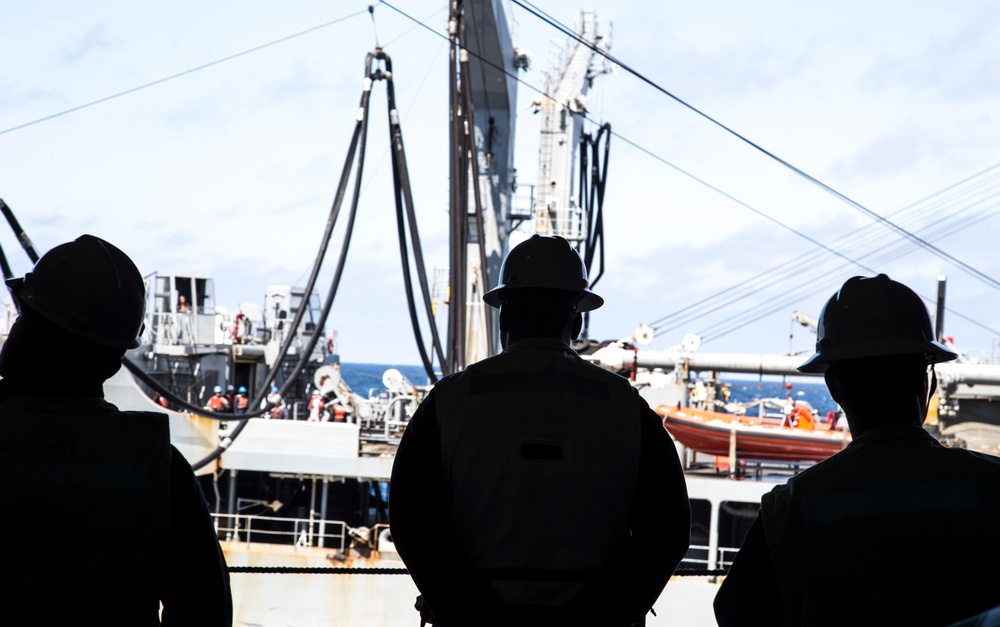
(242, 390)
(217, 389)
(548, 263)
(274, 389)
(230, 388)
(316, 392)
(89, 288)
(874, 317)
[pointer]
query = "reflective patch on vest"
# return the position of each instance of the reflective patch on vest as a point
(888, 499)
(527, 450)
(56, 476)
(539, 382)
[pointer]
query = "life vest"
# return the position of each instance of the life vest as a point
(908, 525)
(802, 418)
(339, 413)
(315, 407)
(533, 441)
(218, 403)
(87, 490)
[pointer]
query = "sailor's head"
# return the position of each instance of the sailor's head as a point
(87, 287)
(876, 348)
(541, 265)
(543, 291)
(217, 390)
(874, 317)
(85, 295)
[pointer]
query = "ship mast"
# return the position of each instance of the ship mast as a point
(483, 94)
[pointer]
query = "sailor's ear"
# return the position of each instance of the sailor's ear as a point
(504, 320)
(577, 326)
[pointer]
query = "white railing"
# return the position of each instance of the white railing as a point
(247, 528)
(724, 556)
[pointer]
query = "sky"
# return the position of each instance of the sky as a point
(230, 170)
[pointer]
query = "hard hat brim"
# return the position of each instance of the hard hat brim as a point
(820, 361)
(589, 302)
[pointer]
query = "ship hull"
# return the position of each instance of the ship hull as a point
(348, 598)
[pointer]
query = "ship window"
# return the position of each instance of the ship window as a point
(183, 286)
(206, 295)
(162, 295)
(701, 519)
(734, 522)
(473, 230)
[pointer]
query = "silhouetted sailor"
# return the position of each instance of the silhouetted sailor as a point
(902, 528)
(101, 519)
(534, 488)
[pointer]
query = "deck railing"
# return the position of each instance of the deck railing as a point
(311, 532)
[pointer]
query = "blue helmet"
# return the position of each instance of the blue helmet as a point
(274, 389)
(217, 389)
(242, 390)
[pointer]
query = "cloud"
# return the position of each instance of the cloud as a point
(93, 40)
(889, 153)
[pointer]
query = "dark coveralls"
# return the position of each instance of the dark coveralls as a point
(535, 488)
(894, 530)
(101, 519)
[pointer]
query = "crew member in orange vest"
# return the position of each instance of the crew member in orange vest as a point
(217, 402)
(316, 406)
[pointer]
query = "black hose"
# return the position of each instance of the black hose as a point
(359, 134)
(7, 272)
(22, 237)
(594, 200)
(403, 195)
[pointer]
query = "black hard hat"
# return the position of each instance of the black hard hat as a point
(874, 317)
(548, 263)
(88, 287)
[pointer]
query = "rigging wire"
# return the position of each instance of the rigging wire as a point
(180, 74)
(642, 149)
(661, 159)
(371, 11)
(982, 276)
(949, 194)
(811, 287)
(808, 261)
(417, 22)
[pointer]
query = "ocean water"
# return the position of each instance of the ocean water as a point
(367, 378)
(813, 392)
